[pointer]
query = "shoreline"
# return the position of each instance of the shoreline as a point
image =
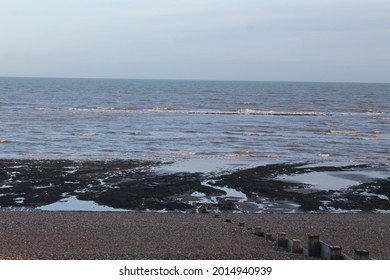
(109, 236)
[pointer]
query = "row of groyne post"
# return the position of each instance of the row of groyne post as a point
(315, 248)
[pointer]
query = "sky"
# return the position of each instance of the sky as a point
(264, 40)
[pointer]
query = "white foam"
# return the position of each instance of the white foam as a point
(381, 196)
(86, 134)
(19, 199)
(382, 211)
(71, 169)
(165, 110)
(198, 194)
(255, 112)
(204, 165)
(324, 155)
(102, 110)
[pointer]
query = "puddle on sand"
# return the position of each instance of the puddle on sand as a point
(327, 181)
(73, 204)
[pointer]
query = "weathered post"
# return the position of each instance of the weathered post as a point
(361, 254)
(335, 252)
(281, 239)
(259, 231)
(314, 245)
(269, 237)
(296, 246)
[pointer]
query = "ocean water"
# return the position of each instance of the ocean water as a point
(253, 122)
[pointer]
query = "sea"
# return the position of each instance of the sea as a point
(239, 122)
(200, 126)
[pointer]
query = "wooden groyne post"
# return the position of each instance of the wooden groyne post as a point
(295, 246)
(314, 245)
(335, 252)
(282, 240)
(360, 254)
(259, 231)
(316, 248)
(269, 237)
(331, 252)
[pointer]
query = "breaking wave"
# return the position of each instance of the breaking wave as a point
(169, 110)
(198, 112)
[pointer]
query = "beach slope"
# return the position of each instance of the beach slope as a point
(134, 235)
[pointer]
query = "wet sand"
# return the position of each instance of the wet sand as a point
(142, 185)
(140, 235)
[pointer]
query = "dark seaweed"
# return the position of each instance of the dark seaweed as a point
(131, 184)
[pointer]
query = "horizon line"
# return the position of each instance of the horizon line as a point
(194, 79)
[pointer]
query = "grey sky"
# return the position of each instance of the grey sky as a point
(300, 40)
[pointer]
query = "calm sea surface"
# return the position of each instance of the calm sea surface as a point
(220, 120)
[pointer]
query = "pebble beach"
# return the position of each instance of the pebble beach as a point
(141, 235)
